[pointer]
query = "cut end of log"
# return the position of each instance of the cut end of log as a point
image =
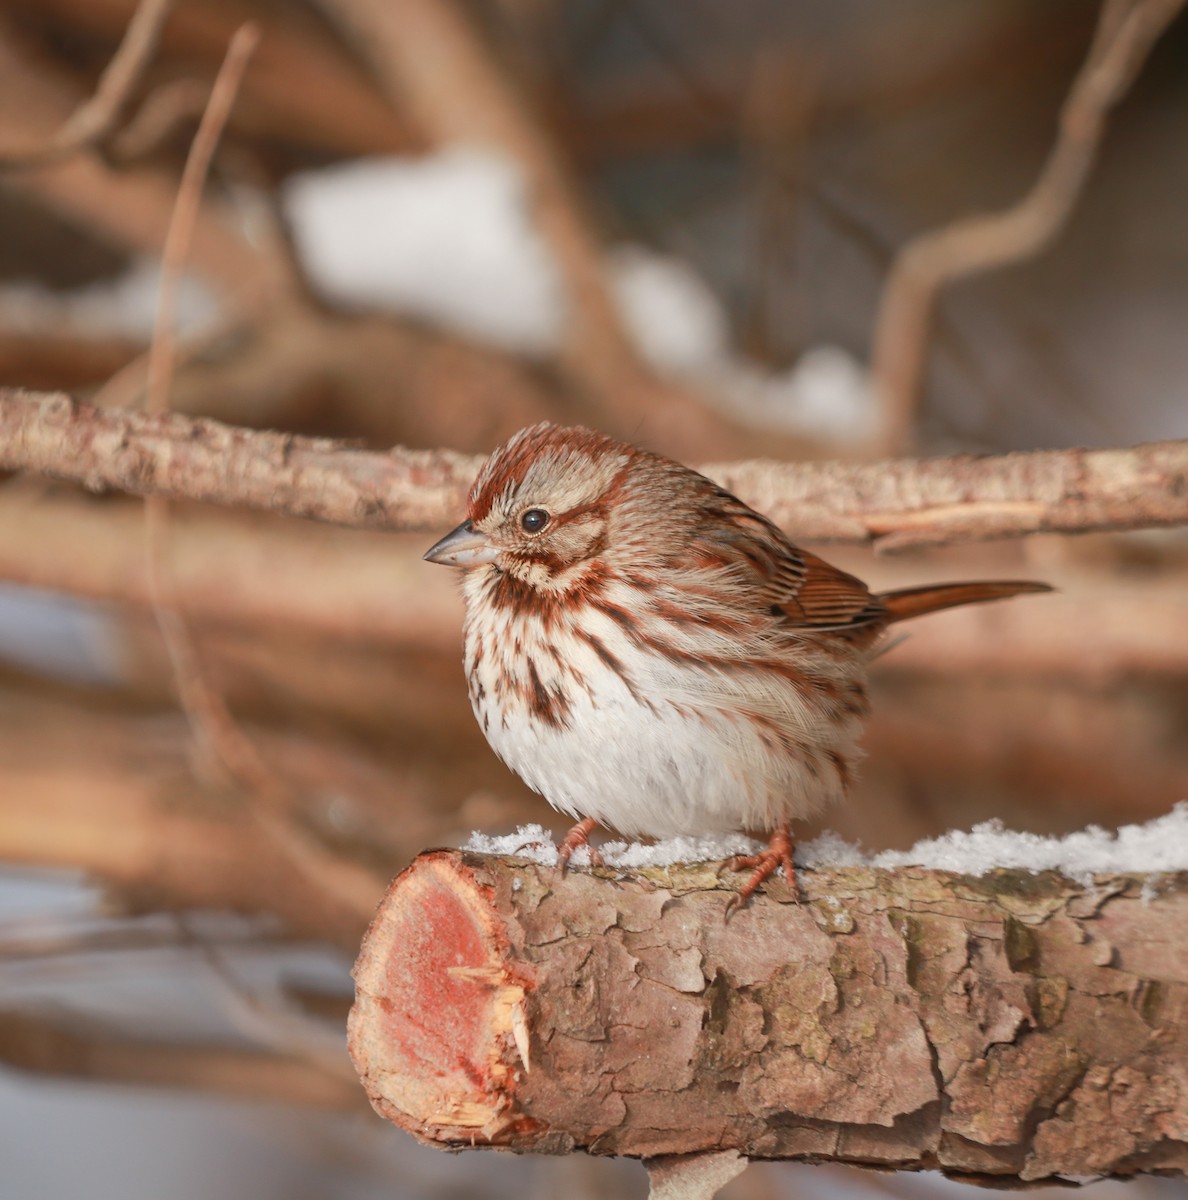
(439, 952)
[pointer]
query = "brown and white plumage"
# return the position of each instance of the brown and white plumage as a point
(649, 653)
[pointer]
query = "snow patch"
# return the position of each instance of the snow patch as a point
(1160, 845)
(448, 237)
(535, 843)
(451, 238)
(675, 318)
(681, 328)
(632, 856)
(825, 394)
(1157, 846)
(125, 306)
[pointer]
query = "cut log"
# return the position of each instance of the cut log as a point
(1012, 1028)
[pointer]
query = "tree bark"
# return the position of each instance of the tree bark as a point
(1011, 1028)
(894, 505)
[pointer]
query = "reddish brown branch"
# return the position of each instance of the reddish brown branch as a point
(129, 207)
(1125, 34)
(1016, 1027)
(891, 504)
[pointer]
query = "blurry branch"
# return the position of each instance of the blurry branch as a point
(640, 113)
(1126, 32)
(891, 504)
(158, 117)
(227, 570)
(305, 89)
(113, 795)
(67, 939)
(1077, 753)
(378, 377)
(78, 1049)
(432, 62)
(130, 207)
(96, 118)
(353, 588)
(216, 733)
(269, 1022)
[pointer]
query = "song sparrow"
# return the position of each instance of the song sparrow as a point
(650, 654)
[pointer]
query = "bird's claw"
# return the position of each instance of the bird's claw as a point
(763, 866)
(579, 835)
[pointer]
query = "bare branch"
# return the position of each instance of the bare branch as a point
(130, 207)
(354, 588)
(95, 119)
(430, 60)
(1013, 1028)
(113, 795)
(80, 1050)
(892, 504)
(1126, 32)
(216, 733)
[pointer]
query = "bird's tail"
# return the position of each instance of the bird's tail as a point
(915, 602)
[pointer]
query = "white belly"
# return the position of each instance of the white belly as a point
(668, 750)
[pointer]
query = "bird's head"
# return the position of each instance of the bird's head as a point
(543, 504)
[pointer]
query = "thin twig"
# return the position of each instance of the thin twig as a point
(97, 116)
(215, 731)
(163, 110)
(890, 504)
(1126, 32)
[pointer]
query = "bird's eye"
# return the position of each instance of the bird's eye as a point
(534, 520)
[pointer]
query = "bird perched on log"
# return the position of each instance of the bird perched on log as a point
(652, 655)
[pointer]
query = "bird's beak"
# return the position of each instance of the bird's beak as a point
(464, 547)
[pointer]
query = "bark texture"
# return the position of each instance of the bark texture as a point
(894, 505)
(1012, 1028)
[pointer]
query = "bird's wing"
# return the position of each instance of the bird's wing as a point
(808, 592)
(814, 594)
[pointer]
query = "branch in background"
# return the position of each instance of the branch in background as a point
(96, 118)
(1075, 757)
(216, 734)
(429, 58)
(129, 207)
(361, 589)
(305, 89)
(893, 505)
(112, 794)
(77, 1049)
(1015, 1027)
(1126, 32)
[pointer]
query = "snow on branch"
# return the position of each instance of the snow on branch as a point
(1009, 1028)
(893, 504)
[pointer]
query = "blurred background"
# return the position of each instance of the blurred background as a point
(430, 223)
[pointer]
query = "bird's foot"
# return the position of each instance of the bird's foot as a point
(579, 835)
(766, 863)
